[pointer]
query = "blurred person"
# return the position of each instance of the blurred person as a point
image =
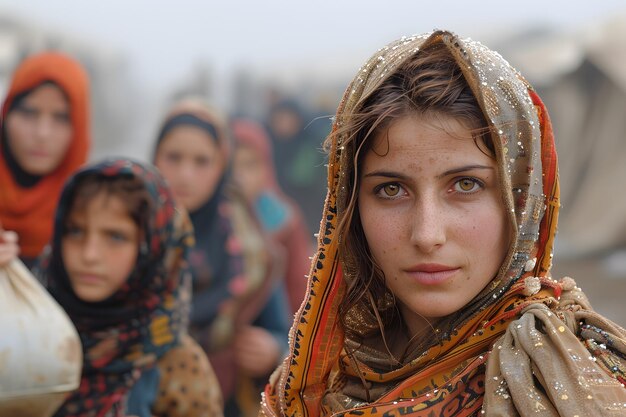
(281, 218)
(118, 267)
(240, 314)
(431, 290)
(298, 157)
(44, 137)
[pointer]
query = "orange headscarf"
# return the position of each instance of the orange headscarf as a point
(30, 211)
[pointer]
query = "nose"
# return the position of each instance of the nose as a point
(91, 249)
(187, 172)
(428, 228)
(44, 127)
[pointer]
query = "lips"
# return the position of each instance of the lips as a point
(39, 154)
(88, 278)
(431, 274)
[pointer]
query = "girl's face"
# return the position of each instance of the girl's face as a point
(433, 215)
(249, 171)
(99, 247)
(192, 163)
(39, 130)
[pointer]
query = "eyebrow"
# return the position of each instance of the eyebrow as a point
(402, 176)
(463, 169)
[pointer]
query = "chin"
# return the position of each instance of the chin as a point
(90, 296)
(436, 314)
(39, 170)
(191, 206)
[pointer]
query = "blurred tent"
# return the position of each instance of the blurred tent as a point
(581, 76)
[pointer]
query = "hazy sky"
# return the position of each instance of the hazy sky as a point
(162, 39)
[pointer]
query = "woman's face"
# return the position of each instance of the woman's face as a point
(249, 171)
(39, 130)
(99, 247)
(433, 215)
(192, 163)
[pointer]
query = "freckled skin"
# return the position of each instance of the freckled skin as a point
(422, 212)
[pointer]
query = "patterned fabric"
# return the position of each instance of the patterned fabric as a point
(548, 371)
(30, 211)
(188, 385)
(146, 317)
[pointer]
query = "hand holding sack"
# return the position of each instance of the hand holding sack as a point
(40, 350)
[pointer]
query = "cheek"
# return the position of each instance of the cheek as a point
(63, 139)
(383, 231)
(125, 263)
(490, 229)
(17, 132)
(207, 179)
(67, 253)
(167, 170)
(485, 232)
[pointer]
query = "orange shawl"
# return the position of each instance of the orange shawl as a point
(449, 379)
(30, 211)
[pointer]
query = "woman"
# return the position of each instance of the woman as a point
(118, 266)
(280, 218)
(44, 137)
(430, 293)
(239, 311)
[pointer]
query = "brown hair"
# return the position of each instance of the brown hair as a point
(131, 190)
(430, 83)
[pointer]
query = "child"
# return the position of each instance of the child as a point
(431, 293)
(118, 267)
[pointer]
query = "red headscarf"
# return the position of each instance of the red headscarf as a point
(30, 211)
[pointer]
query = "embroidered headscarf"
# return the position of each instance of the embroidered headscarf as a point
(516, 348)
(30, 210)
(147, 316)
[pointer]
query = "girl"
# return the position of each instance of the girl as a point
(431, 293)
(280, 218)
(239, 312)
(44, 137)
(118, 267)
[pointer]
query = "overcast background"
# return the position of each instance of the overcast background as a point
(163, 38)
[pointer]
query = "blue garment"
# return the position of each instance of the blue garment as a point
(271, 212)
(143, 394)
(275, 319)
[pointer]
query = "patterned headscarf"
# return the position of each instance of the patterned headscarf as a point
(130, 330)
(516, 348)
